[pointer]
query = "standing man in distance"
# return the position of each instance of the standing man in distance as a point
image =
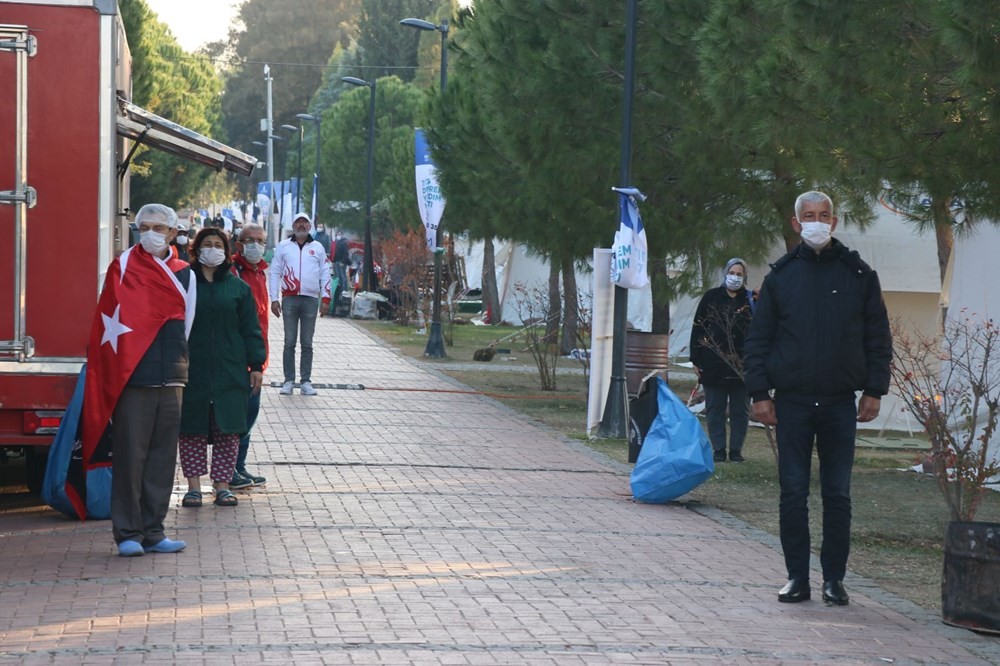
(249, 266)
(323, 238)
(820, 333)
(300, 275)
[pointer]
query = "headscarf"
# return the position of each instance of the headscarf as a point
(732, 262)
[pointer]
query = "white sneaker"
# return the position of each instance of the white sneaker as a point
(307, 389)
(286, 388)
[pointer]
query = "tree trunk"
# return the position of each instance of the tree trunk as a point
(571, 311)
(941, 208)
(554, 314)
(491, 296)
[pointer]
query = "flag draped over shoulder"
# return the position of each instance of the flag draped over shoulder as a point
(140, 294)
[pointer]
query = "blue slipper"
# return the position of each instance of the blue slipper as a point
(166, 546)
(130, 549)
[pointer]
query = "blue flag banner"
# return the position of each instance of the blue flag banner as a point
(430, 200)
(629, 265)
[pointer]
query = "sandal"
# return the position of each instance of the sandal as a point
(192, 498)
(225, 498)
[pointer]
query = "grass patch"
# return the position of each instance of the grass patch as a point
(899, 517)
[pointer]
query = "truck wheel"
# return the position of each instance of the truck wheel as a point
(35, 460)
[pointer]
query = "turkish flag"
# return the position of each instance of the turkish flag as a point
(141, 293)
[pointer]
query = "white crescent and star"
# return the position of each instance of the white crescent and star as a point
(113, 328)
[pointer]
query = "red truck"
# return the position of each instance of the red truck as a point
(67, 134)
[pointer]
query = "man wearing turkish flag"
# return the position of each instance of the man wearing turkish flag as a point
(137, 367)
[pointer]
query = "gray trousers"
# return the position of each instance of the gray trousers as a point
(145, 428)
(296, 311)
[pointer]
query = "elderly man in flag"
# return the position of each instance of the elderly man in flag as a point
(137, 367)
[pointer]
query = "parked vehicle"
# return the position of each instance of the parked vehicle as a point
(68, 131)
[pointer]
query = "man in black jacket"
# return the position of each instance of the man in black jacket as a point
(820, 333)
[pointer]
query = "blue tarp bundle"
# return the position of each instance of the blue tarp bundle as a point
(66, 445)
(676, 455)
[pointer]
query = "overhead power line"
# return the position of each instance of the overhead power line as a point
(237, 63)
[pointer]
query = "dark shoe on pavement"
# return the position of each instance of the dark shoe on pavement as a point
(256, 480)
(834, 593)
(794, 591)
(719, 456)
(736, 456)
(240, 481)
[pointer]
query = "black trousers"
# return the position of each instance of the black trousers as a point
(832, 428)
(145, 428)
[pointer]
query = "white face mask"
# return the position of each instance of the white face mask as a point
(211, 256)
(816, 234)
(734, 282)
(182, 240)
(153, 242)
(253, 252)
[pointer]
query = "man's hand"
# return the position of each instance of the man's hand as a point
(763, 411)
(276, 308)
(868, 409)
(324, 307)
(256, 380)
(697, 371)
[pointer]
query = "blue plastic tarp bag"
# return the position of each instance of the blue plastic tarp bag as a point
(60, 453)
(676, 455)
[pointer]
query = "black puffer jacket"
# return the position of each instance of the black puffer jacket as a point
(720, 325)
(820, 330)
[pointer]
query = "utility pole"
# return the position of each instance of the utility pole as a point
(272, 231)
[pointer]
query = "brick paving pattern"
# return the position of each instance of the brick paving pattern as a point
(432, 527)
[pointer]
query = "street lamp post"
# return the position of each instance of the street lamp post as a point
(266, 225)
(368, 270)
(614, 423)
(319, 135)
(298, 192)
(435, 338)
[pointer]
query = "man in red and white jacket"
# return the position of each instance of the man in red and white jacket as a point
(300, 274)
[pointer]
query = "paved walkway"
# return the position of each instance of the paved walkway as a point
(432, 527)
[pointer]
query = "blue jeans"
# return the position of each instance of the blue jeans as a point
(832, 428)
(299, 311)
(717, 399)
(253, 409)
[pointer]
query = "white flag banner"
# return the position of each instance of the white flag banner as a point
(629, 266)
(430, 201)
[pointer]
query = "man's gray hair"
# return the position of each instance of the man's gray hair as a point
(812, 196)
(251, 226)
(156, 210)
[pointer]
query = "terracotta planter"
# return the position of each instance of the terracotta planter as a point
(971, 576)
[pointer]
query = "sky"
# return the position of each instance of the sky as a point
(196, 22)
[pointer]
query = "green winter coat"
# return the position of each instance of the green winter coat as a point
(225, 343)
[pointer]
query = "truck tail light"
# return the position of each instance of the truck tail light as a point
(41, 422)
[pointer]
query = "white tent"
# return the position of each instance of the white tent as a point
(517, 264)
(969, 288)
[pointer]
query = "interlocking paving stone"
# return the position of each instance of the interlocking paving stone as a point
(415, 522)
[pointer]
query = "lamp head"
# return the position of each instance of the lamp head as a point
(354, 81)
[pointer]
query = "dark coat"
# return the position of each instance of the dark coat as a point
(720, 324)
(225, 344)
(820, 331)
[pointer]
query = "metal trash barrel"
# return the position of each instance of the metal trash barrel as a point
(645, 352)
(971, 576)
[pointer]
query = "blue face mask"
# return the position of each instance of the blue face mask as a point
(734, 282)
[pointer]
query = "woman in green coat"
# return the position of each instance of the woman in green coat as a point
(227, 355)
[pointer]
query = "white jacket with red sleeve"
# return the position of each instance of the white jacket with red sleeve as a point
(299, 270)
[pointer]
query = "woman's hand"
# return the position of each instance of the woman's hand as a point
(256, 380)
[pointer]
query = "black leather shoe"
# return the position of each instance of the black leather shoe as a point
(834, 593)
(719, 456)
(736, 457)
(795, 591)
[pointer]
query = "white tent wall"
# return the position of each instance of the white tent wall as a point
(516, 263)
(970, 289)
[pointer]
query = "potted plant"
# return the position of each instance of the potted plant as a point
(950, 383)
